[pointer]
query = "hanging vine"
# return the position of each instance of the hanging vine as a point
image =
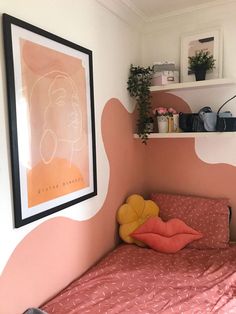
(139, 83)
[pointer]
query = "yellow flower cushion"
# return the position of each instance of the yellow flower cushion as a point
(134, 213)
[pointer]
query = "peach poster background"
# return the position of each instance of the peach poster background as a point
(54, 89)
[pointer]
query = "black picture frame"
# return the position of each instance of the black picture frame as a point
(51, 120)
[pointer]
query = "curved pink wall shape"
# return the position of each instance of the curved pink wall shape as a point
(174, 166)
(61, 249)
(169, 100)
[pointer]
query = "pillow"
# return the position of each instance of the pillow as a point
(207, 215)
(134, 213)
(166, 237)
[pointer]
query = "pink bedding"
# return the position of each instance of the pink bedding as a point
(137, 280)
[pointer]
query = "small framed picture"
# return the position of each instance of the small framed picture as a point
(207, 41)
(51, 120)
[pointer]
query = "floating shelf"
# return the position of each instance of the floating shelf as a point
(193, 85)
(190, 135)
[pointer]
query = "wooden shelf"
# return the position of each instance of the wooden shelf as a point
(190, 135)
(193, 85)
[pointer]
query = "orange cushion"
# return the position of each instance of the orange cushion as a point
(167, 237)
(134, 213)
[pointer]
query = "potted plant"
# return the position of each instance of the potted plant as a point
(139, 83)
(162, 119)
(167, 119)
(200, 63)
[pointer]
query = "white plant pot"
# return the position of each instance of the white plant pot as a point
(162, 122)
(149, 127)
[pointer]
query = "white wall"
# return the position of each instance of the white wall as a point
(161, 39)
(115, 45)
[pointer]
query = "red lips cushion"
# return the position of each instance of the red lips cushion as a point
(166, 237)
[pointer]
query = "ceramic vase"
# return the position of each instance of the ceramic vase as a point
(162, 122)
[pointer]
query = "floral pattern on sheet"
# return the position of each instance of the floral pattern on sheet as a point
(206, 215)
(137, 280)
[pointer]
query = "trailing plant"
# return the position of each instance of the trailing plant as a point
(139, 83)
(201, 59)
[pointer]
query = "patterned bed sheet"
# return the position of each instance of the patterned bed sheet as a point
(139, 280)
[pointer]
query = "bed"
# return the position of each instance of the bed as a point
(140, 280)
(200, 278)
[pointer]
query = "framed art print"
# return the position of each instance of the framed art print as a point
(207, 41)
(51, 120)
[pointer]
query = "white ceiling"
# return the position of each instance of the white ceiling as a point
(151, 9)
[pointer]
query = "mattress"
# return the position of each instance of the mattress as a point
(140, 280)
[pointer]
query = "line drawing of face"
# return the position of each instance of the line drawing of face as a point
(62, 118)
(63, 115)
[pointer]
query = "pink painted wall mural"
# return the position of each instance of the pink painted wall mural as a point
(177, 168)
(60, 249)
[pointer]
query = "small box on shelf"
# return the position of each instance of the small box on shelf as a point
(165, 73)
(165, 78)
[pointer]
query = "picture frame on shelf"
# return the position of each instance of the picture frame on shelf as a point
(51, 120)
(210, 40)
